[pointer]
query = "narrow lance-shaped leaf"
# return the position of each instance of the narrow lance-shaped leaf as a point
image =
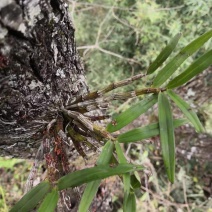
(90, 174)
(92, 187)
(195, 68)
(120, 154)
(132, 113)
(131, 203)
(145, 132)
(167, 139)
(164, 54)
(126, 177)
(188, 112)
(129, 196)
(135, 180)
(32, 198)
(173, 65)
(50, 202)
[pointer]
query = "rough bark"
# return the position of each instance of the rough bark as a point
(40, 71)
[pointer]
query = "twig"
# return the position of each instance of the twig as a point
(104, 6)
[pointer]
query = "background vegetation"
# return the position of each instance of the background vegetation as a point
(118, 39)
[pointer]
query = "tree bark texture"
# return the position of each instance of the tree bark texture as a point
(40, 71)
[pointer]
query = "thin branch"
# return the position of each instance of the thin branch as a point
(132, 8)
(101, 25)
(170, 8)
(87, 47)
(90, 47)
(103, 6)
(123, 22)
(119, 56)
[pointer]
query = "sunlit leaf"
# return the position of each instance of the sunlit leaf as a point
(90, 174)
(50, 202)
(175, 63)
(167, 139)
(188, 112)
(145, 132)
(195, 68)
(164, 54)
(92, 187)
(32, 198)
(132, 113)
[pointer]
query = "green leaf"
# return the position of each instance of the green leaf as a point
(132, 113)
(135, 180)
(188, 112)
(173, 65)
(88, 195)
(167, 139)
(92, 187)
(128, 180)
(106, 154)
(131, 203)
(32, 198)
(145, 132)
(195, 68)
(50, 202)
(120, 154)
(90, 174)
(164, 54)
(126, 177)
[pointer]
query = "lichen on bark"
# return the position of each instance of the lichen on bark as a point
(40, 71)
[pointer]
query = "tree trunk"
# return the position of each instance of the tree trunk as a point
(40, 71)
